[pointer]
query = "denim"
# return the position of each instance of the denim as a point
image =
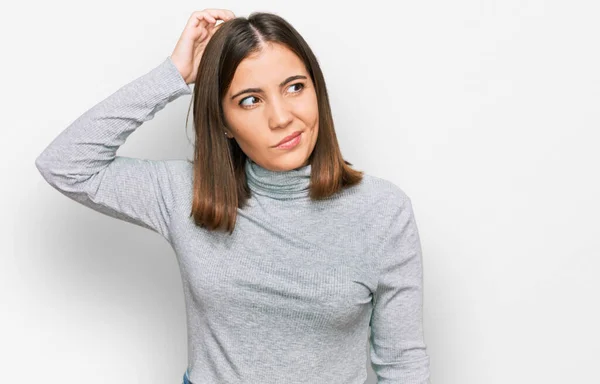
(186, 379)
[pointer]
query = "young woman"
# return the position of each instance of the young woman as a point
(287, 254)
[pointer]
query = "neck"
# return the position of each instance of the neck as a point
(281, 185)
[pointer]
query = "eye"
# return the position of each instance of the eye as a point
(301, 84)
(241, 103)
(247, 98)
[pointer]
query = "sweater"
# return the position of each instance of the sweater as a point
(297, 290)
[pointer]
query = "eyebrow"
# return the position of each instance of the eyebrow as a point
(259, 90)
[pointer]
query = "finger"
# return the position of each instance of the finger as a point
(222, 14)
(202, 15)
(227, 14)
(194, 21)
(201, 20)
(206, 17)
(195, 28)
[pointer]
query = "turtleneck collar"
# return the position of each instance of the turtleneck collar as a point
(279, 185)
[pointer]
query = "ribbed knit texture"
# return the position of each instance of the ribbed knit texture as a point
(289, 296)
(278, 185)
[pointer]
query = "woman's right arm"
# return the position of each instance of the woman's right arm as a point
(82, 164)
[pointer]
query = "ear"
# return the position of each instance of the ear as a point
(226, 131)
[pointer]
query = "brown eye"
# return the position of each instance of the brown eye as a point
(301, 87)
(247, 98)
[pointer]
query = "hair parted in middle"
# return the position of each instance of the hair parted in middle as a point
(220, 185)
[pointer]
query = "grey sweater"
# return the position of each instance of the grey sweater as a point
(290, 295)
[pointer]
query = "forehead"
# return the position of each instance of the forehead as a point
(267, 67)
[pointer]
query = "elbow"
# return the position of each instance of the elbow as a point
(57, 174)
(42, 166)
(40, 163)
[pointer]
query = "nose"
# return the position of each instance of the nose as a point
(280, 114)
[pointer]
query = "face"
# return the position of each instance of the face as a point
(272, 96)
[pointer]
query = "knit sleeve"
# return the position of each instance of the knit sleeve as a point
(82, 164)
(397, 348)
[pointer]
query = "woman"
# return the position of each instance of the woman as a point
(287, 255)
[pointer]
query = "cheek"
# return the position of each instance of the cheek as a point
(315, 108)
(308, 110)
(314, 114)
(238, 122)
(248, 137)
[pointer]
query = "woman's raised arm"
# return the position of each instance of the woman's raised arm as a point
(82, 163)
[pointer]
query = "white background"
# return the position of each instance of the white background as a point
(484, 112)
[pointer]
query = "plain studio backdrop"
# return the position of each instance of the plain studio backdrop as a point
(484, 112)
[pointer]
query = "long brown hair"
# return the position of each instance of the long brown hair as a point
(220, 185)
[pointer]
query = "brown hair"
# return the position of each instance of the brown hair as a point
(220, 185)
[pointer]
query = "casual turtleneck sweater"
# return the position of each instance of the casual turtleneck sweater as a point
(285, 185)
(297, 290)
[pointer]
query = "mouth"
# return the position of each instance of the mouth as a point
(288, 139)
(291, 143)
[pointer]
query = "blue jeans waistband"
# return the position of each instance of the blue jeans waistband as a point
(186, 378)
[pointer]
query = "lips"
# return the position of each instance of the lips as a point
(288, 138)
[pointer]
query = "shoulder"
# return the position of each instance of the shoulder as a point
(384, 195)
